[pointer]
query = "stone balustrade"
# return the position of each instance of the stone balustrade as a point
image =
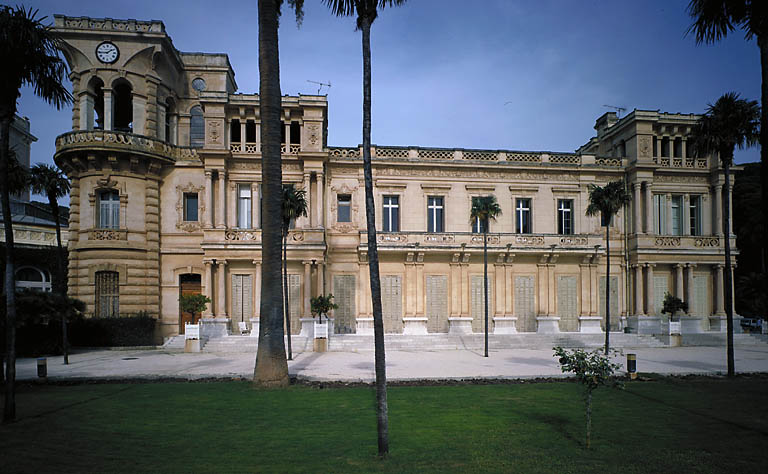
(675, 242)
(457, 239)
(108, 140)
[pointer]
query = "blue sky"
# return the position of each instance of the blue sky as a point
(500, 74)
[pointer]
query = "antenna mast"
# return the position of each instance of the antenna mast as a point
(618, 109)
(320, 85)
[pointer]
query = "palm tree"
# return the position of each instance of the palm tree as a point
(729, 123)
(366, 12)
(713, 20)
(51, 181)
(607, 201)
(271, 368)
(29, 55)
(484, 208)
(294, 206)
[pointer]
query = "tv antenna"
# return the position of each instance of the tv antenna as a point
(320, 85)
(618, 109)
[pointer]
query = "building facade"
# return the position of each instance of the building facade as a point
(164, 157)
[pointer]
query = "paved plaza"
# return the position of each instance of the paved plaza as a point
(401, 365)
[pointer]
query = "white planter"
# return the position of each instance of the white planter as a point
(307, 327)
(255, 327)
(505, 325)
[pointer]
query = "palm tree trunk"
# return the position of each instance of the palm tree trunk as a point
(762, 42)
(61, 287)
(373, 253)
(589, 418)
(728, 274)
(607, 286)
(485, 286)
(271, 368)
(285, 293)
(9, 408)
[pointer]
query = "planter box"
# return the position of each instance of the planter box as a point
(548, 324)
(255, 327)
(415, 326)
(590, 324)
(459, 325)
(505, 325)
(307, 327)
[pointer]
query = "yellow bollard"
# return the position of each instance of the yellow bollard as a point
(632, 366)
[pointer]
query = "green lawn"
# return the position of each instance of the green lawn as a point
(668, 425)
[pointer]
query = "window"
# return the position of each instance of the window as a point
(244, 206)
(695, 213)
(109, 210)
(29, 277)
(391, 214)
(190, 207)
(345, 208)
(295, 133)
(479, 226)
(677, 215)
(523, 216)
(565, 216)
(122, 107)
(435, 214)
(659, 214)
(107, 295)
(196, 127)
(235, 131)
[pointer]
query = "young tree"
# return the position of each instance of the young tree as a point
(321, 305)
(294, 206)
(729, 123)
(607, 201)
(366, 12)
(713, 20)
(51, 181)
(193, 304)
(271, 368)
(593, 370)
(29, 53)
(484, 208)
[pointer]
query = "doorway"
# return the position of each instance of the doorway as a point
(189, 284)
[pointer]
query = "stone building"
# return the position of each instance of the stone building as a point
(164, 157)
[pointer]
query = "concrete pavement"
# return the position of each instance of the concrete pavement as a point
(358, 366)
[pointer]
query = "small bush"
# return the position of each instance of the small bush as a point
(673, 304)
(124, 331)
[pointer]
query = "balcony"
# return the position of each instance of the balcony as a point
(247, 237)
(114, 141)
(453, 240)
(255, 149)
(679, 242)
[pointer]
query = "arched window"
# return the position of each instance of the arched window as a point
(122, 100)
(107, 294)
(196, 127)
(93, 106)
(30, 277)
(109, 209)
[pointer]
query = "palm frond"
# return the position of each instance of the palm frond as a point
(728, 123)
(607, 200)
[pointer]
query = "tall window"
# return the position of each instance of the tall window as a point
(107, 294)
(677, 215)
(109, 210)
(196, 127)
(479, 225)
(565, 216)
(695, 212)
(391, 214)
(244, 206)
(435, 214)
(344, 202)
(523, 216)
(190, 207)
(659, 214)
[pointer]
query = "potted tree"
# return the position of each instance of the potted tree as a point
(194, 304)
(676, 308)
(321, 305)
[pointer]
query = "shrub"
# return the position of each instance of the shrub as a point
(673, 304)
(137, 330)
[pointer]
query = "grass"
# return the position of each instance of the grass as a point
(667, 425)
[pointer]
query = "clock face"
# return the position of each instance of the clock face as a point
(107, 52)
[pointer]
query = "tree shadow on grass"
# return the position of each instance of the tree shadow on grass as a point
(74, 404)
(559, 424)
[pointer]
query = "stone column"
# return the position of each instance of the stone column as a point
(86, 111)
(221, 201)
(683, 149)
(221, 289)
(420, 291)
(689, 286)
(501, 291)
(208, 287)
(455, 301)
(686, 215)
(551, 290)
(242, 134)
(584, 281)
(594, 287)
(107, 108)
(174, 130)
(669, 214)
(730, 212)
(305, 221)
(255, 210)
(320, 279)
(509, 307)
(365, 289)
(638, 208)
(208, 199)
(287, 136)
(231, 220)
(718, 210)
(679, 281)
(307, 288)
(649, 289)
(719, 291)
(639, 290)
(649, 206)
(257, 289)
(543, 284)
(320, 201)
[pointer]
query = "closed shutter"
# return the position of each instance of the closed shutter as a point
(344, 297)
(567, 308)
(294, 302)
(524, 303)
(700, 305)
(242, 297)
(437, 303)
(660, 288)
(477, 303)
(392, 303)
